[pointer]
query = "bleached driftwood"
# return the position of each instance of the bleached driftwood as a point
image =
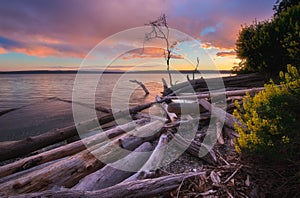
(154, 162)
(139, 188)
(217, 112)
(171, 116)
(69, 171)
(64, 151)
(113, 173)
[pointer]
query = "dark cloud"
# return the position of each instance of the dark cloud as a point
(224, 54)
(8, 43)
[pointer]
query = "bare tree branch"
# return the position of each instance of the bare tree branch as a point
(160, 30)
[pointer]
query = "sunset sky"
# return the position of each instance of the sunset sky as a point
(58, 34)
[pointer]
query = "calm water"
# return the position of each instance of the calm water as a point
(39, 111)
(23, 89)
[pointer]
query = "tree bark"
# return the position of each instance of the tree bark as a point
(64, 151)
(140, 188)
(113, 173)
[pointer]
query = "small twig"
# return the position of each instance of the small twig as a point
(207, 193)
(222, 158)
(178, 191)
(229, 194)
(165, 171)
(233, 174)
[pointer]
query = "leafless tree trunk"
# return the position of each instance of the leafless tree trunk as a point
(160, 30)
(196, 68)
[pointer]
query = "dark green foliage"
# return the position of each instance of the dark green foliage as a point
(283, 5)
(268, 46)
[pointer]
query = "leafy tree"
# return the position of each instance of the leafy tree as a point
(283, 5)
(268, 46)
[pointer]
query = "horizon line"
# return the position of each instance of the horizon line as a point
(108, 72)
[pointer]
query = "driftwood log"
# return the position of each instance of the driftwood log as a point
(217, 112)
(246, 80)
(20, 174)
(216, 94)
(184, 108)
(69, 171)
(64, 151)
(22, 147)
(113, 173)
(154, 162)
(141, 85)
(139, 188)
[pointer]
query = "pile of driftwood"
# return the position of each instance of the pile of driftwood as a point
(58, 163)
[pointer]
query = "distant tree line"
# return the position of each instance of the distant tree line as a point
(268, 46)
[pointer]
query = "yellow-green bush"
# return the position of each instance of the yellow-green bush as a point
(271, 119)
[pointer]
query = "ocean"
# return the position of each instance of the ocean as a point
(31, 104)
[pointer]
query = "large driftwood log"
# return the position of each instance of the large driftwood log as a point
(25, 146)
(218, 94)
(247, 80)
(64, 151)
(140, 188)
(154, 162)
(114, 173)
(141, 85)
(69, 171)
(22, 147)
(17, 175)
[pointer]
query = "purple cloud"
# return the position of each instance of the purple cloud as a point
(72, 28)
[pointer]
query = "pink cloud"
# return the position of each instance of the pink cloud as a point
(2, 50)
(148, 53)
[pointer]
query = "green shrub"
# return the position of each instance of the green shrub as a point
(271, 119)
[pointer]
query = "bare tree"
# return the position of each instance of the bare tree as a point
(160, 30)
(194, 71)
(196, 68)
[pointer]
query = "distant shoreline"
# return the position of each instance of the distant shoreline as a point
(113, 72)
